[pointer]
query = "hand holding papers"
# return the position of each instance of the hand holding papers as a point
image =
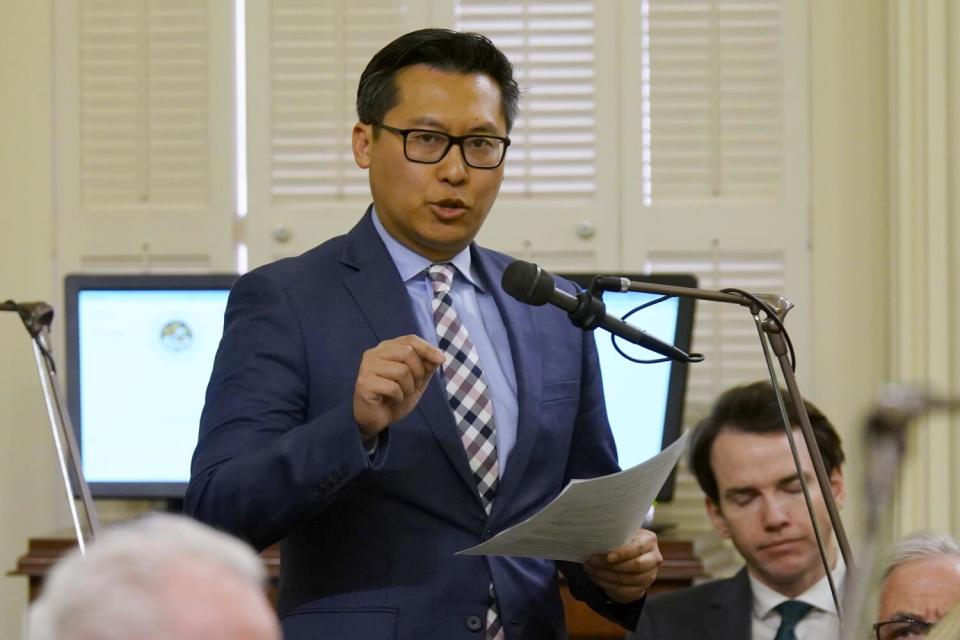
(589, 516)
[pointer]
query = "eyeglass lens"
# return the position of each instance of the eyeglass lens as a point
(429, 146)
(903, 630)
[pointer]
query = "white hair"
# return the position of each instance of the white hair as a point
(112, 591)
(921, 545)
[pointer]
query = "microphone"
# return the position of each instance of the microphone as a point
(37, 309)
(35, 315)
(529, 283)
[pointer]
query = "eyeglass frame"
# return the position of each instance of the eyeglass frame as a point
(902, 620)
(451, 141)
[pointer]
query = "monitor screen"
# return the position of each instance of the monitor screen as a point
(139, 354)
(645, 401)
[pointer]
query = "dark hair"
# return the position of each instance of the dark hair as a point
(753, 408)
(439, 48)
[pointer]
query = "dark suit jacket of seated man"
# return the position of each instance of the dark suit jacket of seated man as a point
(741, 458)
(328, 424)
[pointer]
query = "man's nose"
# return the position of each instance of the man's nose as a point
(452, 167)
(775, 514)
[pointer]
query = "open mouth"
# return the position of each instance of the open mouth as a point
(450, 208)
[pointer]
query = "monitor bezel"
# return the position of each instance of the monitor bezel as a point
(677, 385)
(74, 285)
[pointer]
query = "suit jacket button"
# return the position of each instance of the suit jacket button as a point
(474, 623)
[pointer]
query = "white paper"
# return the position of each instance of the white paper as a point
(589, 516)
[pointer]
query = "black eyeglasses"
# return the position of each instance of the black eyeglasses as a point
(902, 628)
(430, 147)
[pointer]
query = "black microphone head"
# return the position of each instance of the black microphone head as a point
(527, 283)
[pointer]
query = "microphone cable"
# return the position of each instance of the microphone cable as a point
(772, 315)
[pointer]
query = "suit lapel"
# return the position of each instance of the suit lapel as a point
(729, 615)
(524, 348)
(382, 298)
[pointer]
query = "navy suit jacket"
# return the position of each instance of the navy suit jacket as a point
(718, 610)
(368, 542)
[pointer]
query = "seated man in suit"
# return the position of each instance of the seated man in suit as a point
(379, 404)
(157, 578)
(921, 584)
(741, 458)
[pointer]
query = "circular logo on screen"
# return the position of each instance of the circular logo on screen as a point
(176, 335)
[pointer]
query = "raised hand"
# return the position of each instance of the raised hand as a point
(391, 380)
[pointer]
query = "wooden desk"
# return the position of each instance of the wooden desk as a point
(680, 567)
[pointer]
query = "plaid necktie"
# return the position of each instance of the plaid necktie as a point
(469, 398)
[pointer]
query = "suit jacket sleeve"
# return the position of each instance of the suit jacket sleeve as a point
(260, 466)
(645, 629)
(718, 610)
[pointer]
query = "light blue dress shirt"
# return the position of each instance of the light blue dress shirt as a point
(479, 313)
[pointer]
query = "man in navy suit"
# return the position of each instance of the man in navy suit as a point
(336, 424)
(741, 458)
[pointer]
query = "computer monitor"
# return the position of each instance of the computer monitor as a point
(645, 401)
(140, 349)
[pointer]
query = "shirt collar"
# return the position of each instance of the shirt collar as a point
(765, 599)
(411, 264)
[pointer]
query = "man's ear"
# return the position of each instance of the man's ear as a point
(838, 486)
(362, 139)
(716, 517)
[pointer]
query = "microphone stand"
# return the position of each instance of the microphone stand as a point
(37, 317)
(770, 331)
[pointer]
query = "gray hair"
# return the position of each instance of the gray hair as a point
(921, 545)
(112, 591)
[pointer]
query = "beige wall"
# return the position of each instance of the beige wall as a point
(31, 500)
(850, 205)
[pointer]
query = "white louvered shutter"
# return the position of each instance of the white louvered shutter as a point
(719, 148)
(304, 60)
(716, 99)
(558, 202)
(723, 144)
(145, 133)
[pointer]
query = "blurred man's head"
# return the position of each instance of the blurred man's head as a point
(741, 458)
(921, 584)
(158, 578)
